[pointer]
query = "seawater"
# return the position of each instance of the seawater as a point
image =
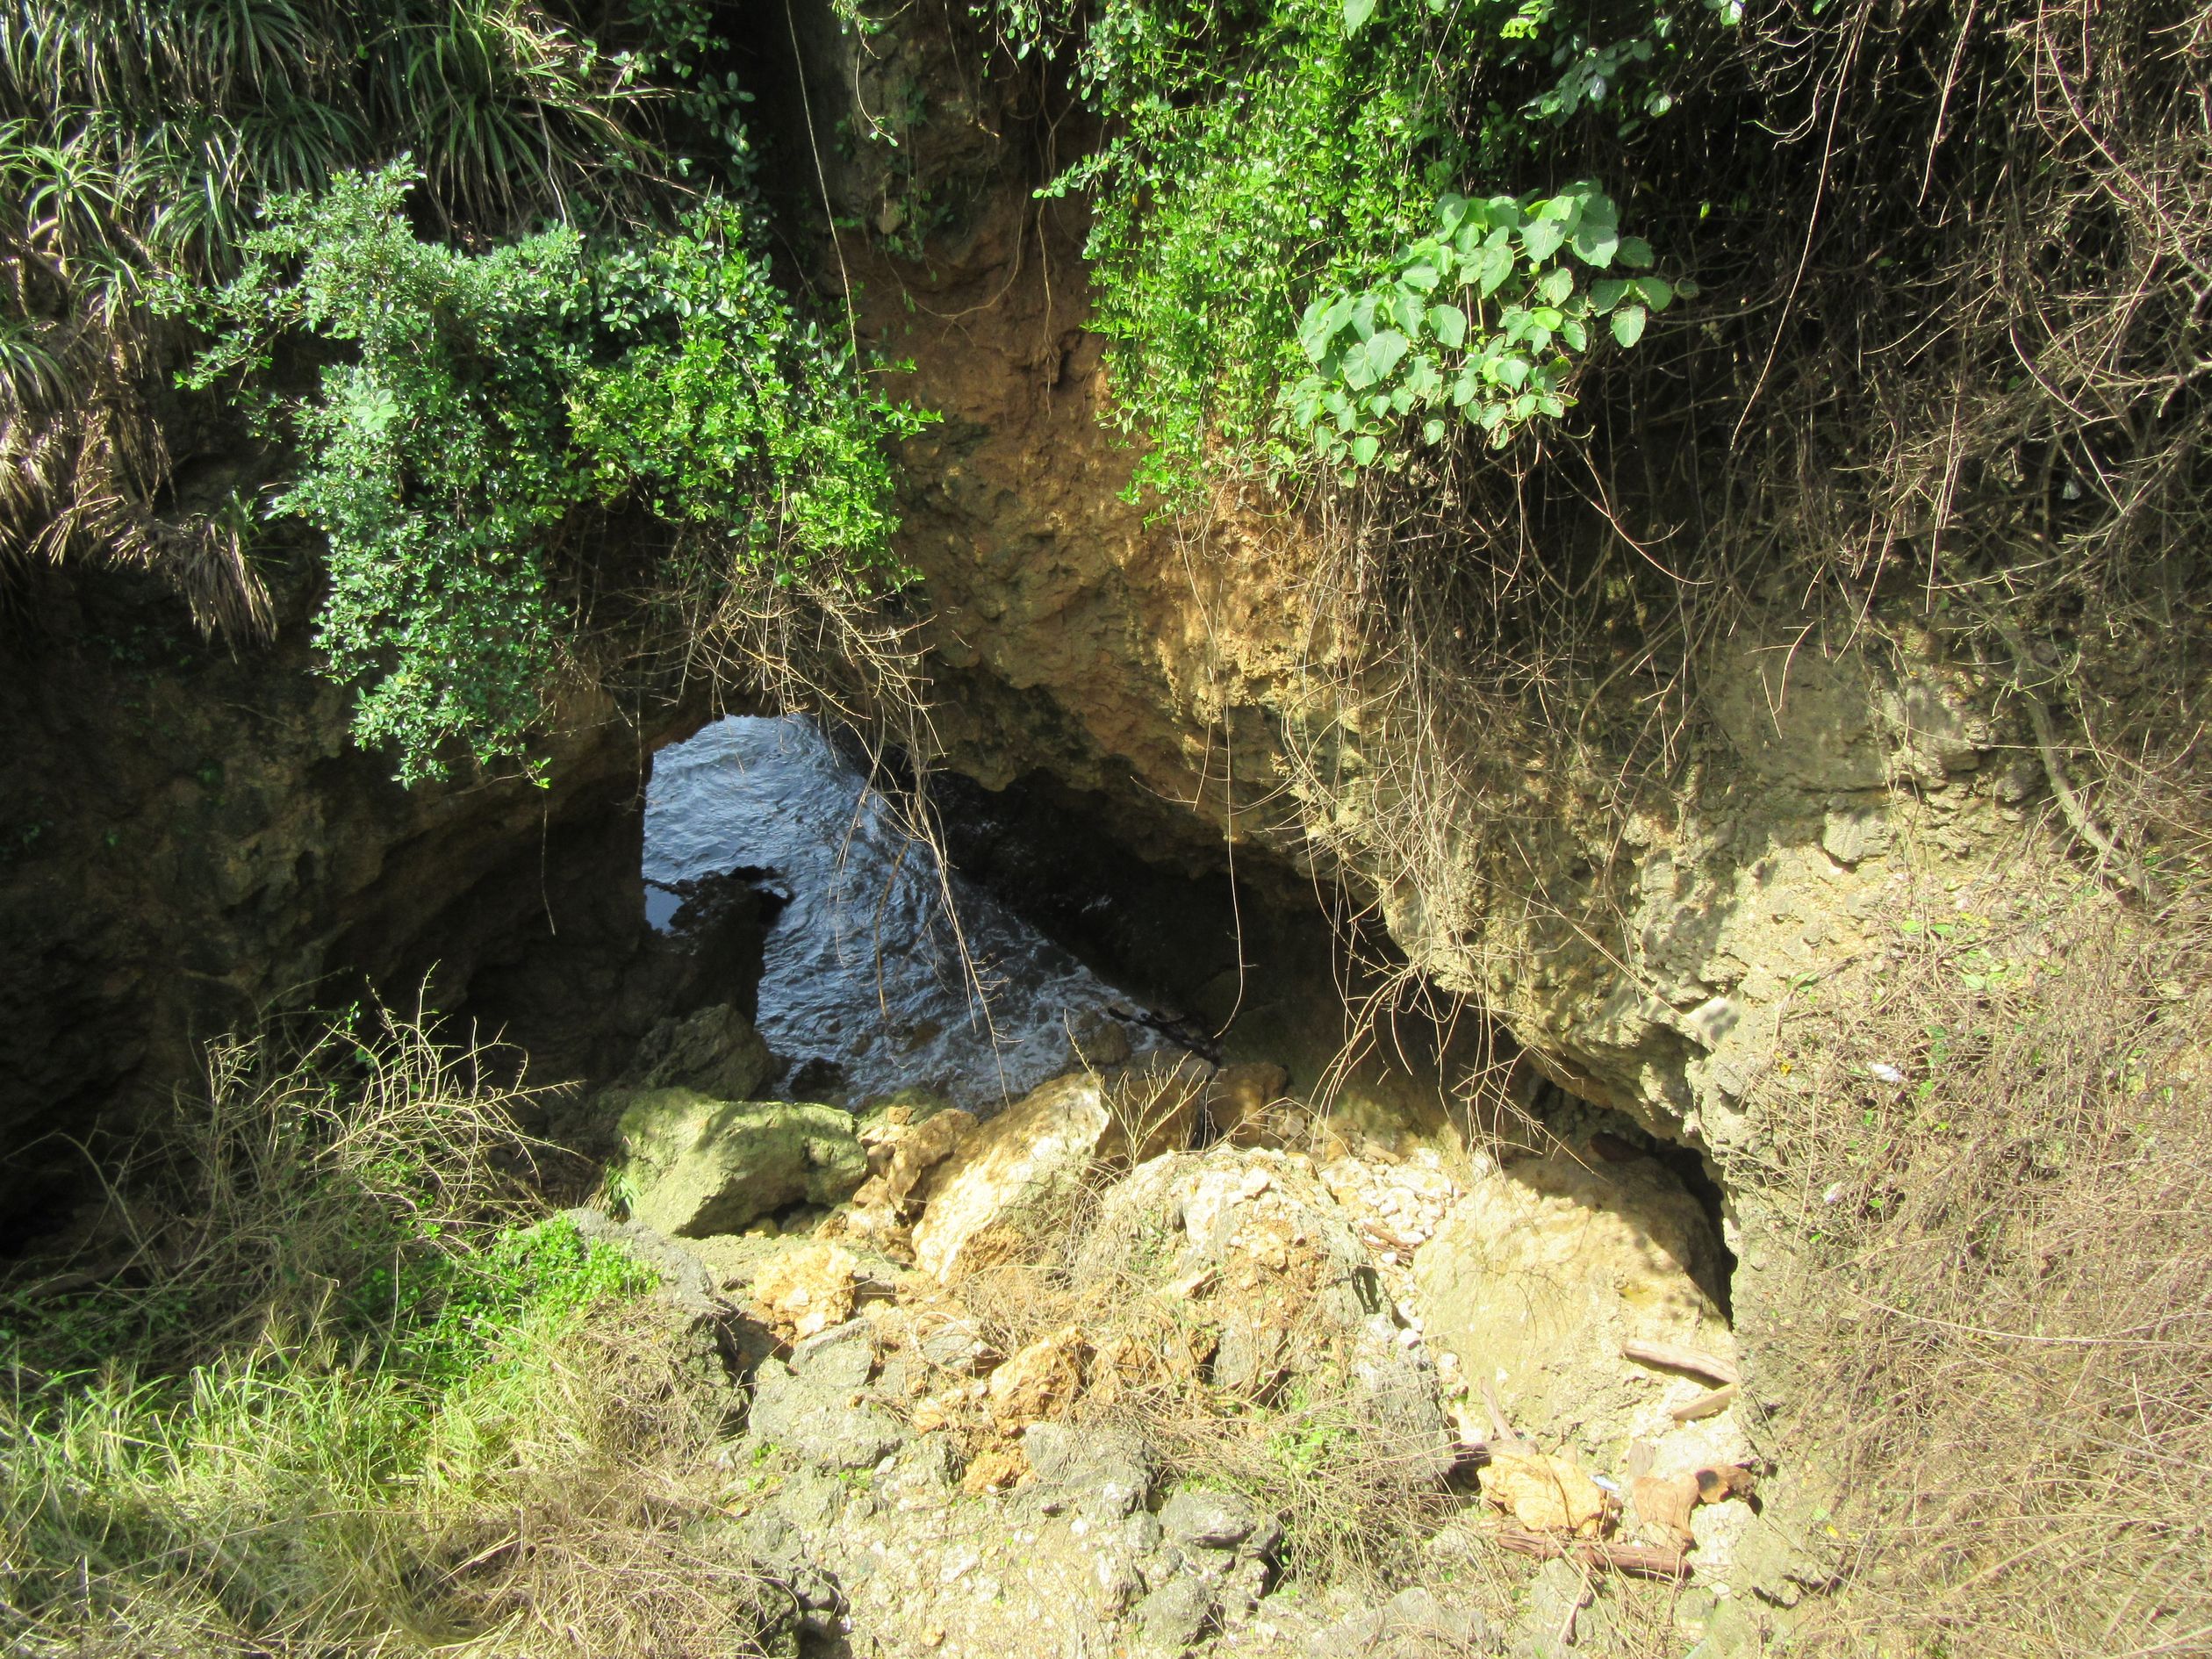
(864, 969)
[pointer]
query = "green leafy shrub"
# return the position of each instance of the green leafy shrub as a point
(1279, 174)
(494, 405)
(139, 141)
(1484, 316)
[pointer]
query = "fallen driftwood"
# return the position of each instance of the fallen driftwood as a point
(1672, 1356)
(1636, 1562)
(1704, 1406)
(1503, 1440)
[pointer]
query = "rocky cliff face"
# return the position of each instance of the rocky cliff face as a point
(191, 838)
(189, 835)
(1640, 945)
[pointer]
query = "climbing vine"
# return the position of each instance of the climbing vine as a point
(1483, 317)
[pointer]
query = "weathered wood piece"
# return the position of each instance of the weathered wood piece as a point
(1674, 1356)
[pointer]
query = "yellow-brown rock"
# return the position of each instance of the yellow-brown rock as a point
(1544, 1267)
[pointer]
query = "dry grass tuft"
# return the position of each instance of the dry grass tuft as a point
(1990, 1152)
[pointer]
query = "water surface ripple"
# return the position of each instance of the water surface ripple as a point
(863, 969)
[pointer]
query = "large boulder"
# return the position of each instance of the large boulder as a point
(1008, 1175)
(700, 1165)
(1545, 1267)
(714, 1051)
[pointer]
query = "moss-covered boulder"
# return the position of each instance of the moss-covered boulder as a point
(699, 1167)
(714, 1050)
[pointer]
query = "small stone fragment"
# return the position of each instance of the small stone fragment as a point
(840, 1357)
(921, 1150)
(994, 1469)
(1200, 1519)
(807, 1289)
(1175, 1616)
(1041, 1381)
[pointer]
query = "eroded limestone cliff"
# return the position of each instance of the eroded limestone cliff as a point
(192, 841)
(1186, 673)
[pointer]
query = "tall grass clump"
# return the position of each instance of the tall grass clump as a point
(323, 1386)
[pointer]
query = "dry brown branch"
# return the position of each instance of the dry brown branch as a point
(1708, 1404)
(1632, 1559)
(1674, 1356)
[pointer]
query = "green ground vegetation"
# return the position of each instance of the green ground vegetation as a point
(319, 1381)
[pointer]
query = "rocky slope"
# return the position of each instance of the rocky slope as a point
(1175, 676)
(1177, 679)
(1059, 1383)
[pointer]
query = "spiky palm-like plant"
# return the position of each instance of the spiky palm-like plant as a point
(138, 139)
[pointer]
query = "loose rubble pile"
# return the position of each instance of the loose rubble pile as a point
(1096, 1374)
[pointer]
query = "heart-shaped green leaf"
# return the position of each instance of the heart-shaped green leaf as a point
(1597, 233)
(1540, 240)
(1495, 265)
(1628, 324)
